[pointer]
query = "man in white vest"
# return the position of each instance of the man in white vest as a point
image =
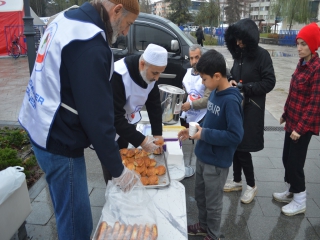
(195, 107)
(68, 105)
(133, 84)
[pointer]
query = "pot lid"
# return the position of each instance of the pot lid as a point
(170, 89)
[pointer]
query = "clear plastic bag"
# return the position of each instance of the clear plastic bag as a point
(127, 215)
(11, 179)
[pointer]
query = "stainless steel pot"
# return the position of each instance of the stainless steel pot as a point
(171, 101)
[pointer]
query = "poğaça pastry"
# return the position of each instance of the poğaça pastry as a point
(142, 164)
(126, 232)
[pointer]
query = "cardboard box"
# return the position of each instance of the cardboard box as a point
(14, 211)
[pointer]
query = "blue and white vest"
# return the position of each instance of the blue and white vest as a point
(195, 89)
(136, 96)
(42, 98)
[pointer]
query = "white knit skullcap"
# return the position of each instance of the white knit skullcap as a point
(156, 55)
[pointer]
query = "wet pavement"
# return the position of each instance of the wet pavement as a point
(261, 219)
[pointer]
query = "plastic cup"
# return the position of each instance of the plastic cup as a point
(193, 128)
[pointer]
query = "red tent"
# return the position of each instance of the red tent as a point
(11, 14)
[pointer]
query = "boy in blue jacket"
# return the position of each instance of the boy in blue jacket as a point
(218, 137)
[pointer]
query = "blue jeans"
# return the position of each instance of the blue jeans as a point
(67, 181)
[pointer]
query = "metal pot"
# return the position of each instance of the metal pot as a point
(171, 101)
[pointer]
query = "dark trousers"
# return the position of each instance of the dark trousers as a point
(243, 160)
(122, 143)
(293, 158)
(200, 42)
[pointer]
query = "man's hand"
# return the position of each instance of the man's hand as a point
(127, 180)
(186, 106)
(233, 83)
(158, 140)
(148, 144)
(282, 120)
(295, 136)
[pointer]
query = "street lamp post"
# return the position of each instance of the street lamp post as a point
(29, 33)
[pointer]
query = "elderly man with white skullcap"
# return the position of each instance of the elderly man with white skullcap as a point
(133, 84)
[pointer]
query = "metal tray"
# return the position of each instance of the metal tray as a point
(164, 180)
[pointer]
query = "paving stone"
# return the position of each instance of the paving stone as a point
(272, 208)
(266, 189)
(277, 162)
(39, 232)
(315, 222)
(262, 162)
(44, 195)
(313, 190)
(317, 201)
(234, 227)
(41, 213)
(97, 197)
(283, 227)
(269, 175)
(233, 206)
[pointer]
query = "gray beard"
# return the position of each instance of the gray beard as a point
(144, 76)
(115, 30)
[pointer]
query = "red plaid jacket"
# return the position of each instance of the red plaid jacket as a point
(302, 108)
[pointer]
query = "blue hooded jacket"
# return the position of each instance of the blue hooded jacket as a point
(222, 128)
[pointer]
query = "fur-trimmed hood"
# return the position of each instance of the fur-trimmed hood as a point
(247, 31)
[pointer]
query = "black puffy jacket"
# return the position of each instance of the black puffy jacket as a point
(253, 65)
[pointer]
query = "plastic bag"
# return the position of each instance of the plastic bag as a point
(127, 215)
(10, 180)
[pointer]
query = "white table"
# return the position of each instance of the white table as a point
(170, 204)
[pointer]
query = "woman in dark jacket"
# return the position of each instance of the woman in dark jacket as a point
(200, 36)
(253, 66)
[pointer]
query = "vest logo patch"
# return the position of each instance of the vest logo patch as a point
(194, 95)
(131, 117)
(44, 46)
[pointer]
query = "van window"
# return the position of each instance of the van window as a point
(144, 35)
(121, 43)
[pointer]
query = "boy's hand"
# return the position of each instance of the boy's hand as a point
(183, 134)
(198, 134)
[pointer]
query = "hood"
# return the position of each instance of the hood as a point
(247, 31)
(231, 90)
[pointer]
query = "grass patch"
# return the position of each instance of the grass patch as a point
(15, 150)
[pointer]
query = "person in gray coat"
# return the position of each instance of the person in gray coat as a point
(253, 67)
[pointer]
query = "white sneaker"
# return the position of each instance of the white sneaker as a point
(249, 194)
(297, 205)
(283, 197)
(231, 186)
(293, 208)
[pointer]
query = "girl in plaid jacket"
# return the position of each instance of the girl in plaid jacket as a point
(302, 119)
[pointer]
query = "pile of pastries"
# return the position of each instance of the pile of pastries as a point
(123, 231)
(139, 161)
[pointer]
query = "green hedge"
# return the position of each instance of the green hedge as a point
(14, 146)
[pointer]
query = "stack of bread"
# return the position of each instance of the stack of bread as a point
(139, 161)
(124, 232)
